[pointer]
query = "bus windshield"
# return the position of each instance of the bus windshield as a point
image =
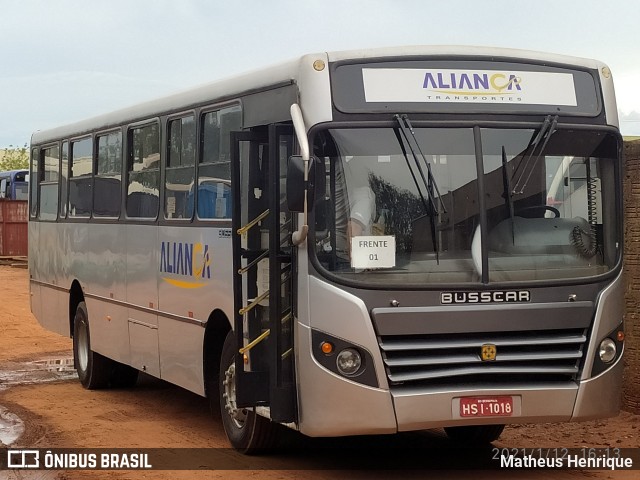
(396, 214)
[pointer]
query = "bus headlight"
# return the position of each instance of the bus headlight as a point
(607, 350)
(348, 362)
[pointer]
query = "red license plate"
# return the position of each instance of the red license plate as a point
(486, 407)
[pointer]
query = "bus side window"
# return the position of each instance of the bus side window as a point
(108, 178)
(49, 178)
(33, 182)
(214, 172)
(180, 170)
(81, 181)
(144, 172)
(4, 188)
(64, 179)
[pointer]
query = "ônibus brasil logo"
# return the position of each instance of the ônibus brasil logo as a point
(188, 264)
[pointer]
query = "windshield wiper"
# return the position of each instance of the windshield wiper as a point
(429, 181)
(547, 129)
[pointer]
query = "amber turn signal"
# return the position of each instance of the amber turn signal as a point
(327, 348)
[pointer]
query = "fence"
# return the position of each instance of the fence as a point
(13, 228)
(631, 393)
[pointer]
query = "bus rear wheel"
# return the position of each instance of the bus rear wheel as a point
(246, 431)
(474, 434)
(94, 370)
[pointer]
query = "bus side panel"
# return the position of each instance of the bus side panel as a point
(181, 359)
(34, 273)
(194, 275)
(194, 271)
(104, 281)
(53, 313)
(142, 296)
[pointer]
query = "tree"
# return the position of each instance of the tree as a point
(14, 158)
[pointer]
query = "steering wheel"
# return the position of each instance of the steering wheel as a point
(535, 208)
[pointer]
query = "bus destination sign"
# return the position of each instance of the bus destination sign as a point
(464, 86)
(468, 86)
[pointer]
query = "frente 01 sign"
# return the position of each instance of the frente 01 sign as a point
(373, 251)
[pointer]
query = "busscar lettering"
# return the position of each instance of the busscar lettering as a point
(509, 296)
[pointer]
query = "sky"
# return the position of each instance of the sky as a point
(65, 60)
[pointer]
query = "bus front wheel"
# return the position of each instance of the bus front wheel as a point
(93, 369)
(246, 431)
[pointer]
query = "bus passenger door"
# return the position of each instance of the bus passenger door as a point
(263, 273)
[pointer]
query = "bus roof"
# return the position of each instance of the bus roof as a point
(286, 73)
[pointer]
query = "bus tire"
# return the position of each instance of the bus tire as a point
(247, 432)
(93, 369)
(474, 434)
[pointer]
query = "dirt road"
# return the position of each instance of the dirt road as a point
(37, 387)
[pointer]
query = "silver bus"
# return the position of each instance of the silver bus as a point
(349, 243)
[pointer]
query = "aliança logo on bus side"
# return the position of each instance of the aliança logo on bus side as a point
(188, 264)
(496, 296)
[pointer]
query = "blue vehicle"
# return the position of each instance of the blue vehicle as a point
(14, 185)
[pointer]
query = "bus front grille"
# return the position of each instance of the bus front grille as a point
(445, 359)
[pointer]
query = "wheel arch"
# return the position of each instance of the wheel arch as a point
(76, 295)
(218, 325)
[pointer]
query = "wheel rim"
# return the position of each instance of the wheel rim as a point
(83, 347)
(238, 415)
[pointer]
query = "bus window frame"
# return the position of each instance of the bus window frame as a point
(165, 146)
(72, 141)
(200, 136)
(34, 182)
(129, 128)
(41, 181)
(63, 181)
(97, 135)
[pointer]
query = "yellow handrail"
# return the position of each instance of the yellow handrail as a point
(260, 338)
(254, 303)
(244, 270)
(252, 223)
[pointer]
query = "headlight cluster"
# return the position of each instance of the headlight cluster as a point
(607, 350)
(351, 361)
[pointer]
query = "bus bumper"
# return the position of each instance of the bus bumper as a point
(335, 406)
(598, 397)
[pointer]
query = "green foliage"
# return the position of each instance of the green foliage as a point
(14, 158)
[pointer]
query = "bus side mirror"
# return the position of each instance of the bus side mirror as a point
(296, 184)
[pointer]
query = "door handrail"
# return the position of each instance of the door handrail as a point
(253, 223)
(253, 304)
